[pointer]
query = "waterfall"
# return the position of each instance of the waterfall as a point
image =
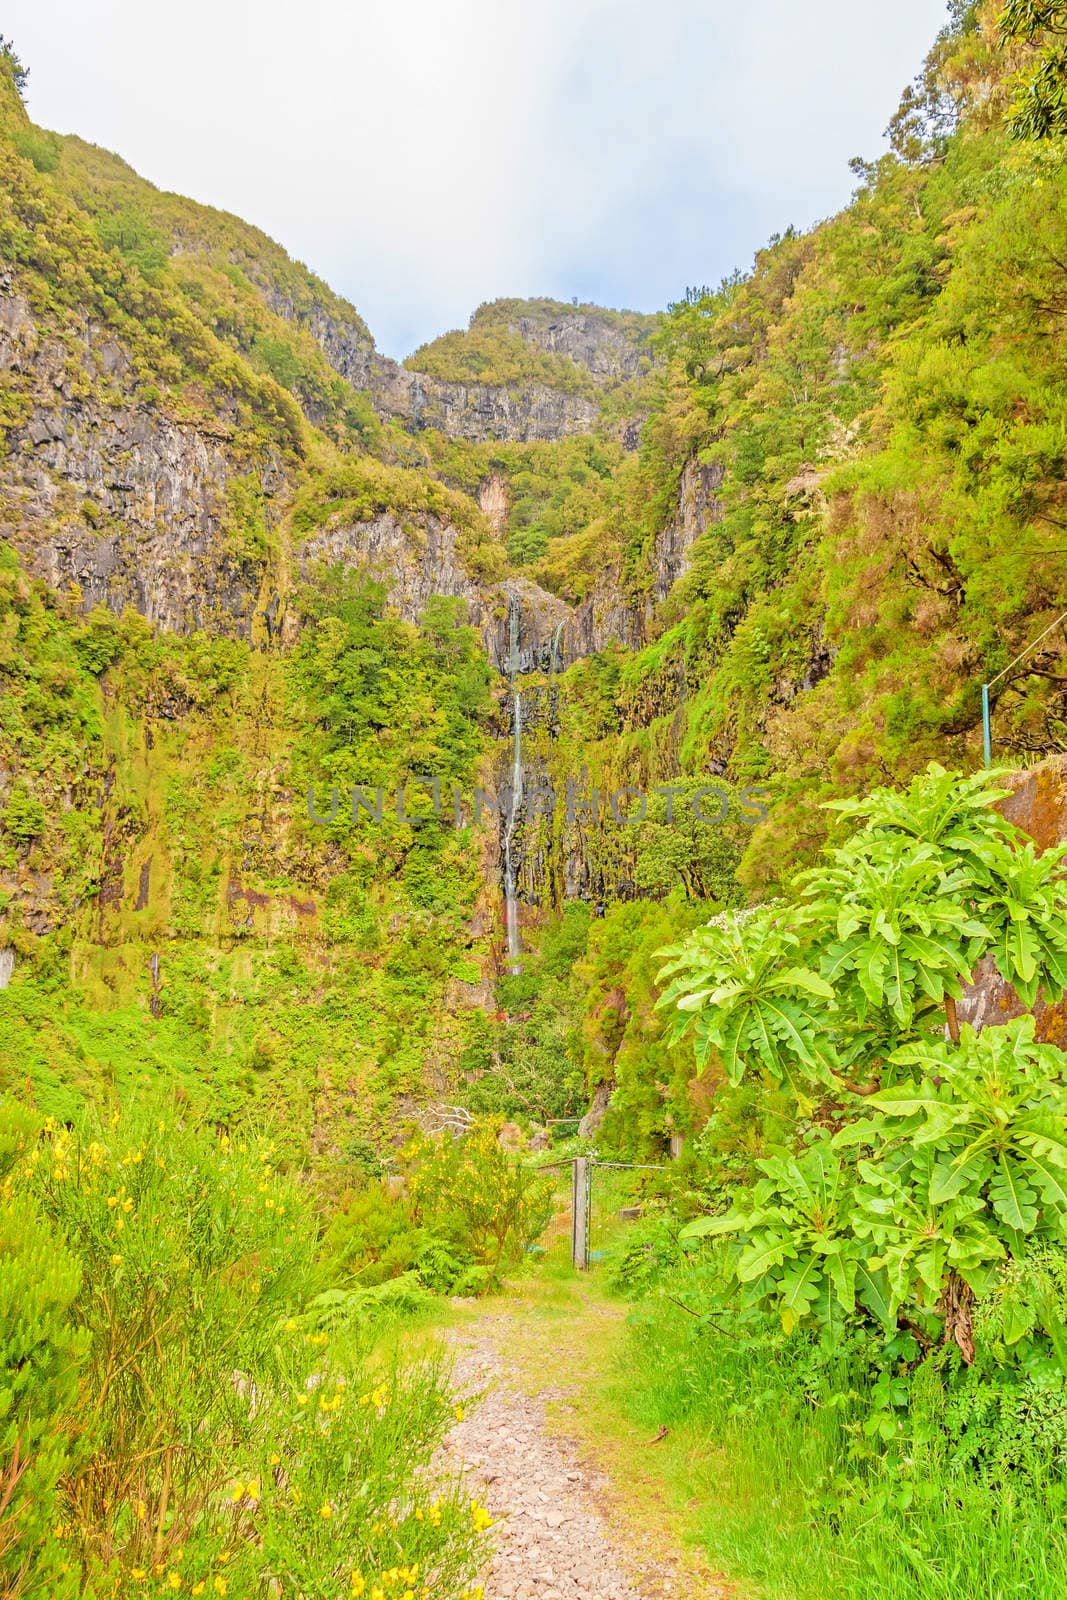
(515, 801)
(7, 966)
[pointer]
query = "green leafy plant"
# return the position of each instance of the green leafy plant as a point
(41, 1353)
(742, 988)
(799, 1249)
(959, 1162)
(478, 1194)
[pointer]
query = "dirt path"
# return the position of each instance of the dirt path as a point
(569, 1525)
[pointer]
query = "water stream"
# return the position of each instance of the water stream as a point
(511, 901)
(517, 788)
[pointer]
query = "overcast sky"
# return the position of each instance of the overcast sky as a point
(425, 156)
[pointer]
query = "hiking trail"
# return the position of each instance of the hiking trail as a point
(575, 1514)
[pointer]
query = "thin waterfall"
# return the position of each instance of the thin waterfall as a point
(510, 879)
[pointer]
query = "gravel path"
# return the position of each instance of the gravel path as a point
(553, 1541)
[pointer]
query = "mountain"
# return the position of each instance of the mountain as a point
(782, 533)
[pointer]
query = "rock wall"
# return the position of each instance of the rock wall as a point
(698, 506)
(478, 411)
(117, 497)
(416, 558)
(608, 351)
(344, 342)
(1038, 805)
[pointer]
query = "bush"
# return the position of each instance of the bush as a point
(227, 1436)
(478, 1195)
(24, 816)
(41, 1353)
(374, 1238)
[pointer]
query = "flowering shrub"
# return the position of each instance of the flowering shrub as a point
(478, 1195)
(196, 1435)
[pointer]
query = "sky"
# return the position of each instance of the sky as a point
(424, 156)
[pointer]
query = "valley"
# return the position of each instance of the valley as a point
(564, 744)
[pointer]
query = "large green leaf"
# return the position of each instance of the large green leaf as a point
(761, 1256)
(1013, 1200)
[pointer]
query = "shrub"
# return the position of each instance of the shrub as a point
(24, 816)
(40, 1355)
(478, 1195)
(226, 1440)
(905, 1215)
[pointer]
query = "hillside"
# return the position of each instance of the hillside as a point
(531, 1029)
(786, 530)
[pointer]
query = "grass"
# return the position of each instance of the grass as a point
(777, 1500)
(759, 1498)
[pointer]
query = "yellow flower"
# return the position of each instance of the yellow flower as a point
(326, 1511)
(252, 1489)
(112, 1202)
(142, 1510)
(220, 1586)
(358, 1583)
(174, 1580)
(138, 1574)
(198, 1588)
(459, 1413)
(116, 1261)
(275, 1458)
(237, 1492)
(301, 1399)
(480, 1517)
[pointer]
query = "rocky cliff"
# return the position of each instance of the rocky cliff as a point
(612, 346)
(478, 411)
(118, 499)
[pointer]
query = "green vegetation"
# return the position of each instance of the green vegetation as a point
(884, 1200)
(1040, 110)
(851, 1287)
(276, 980)
(202, 1399)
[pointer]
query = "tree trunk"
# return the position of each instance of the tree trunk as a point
(952, 1019)
(955, 1306)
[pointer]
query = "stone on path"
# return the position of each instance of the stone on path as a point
(551, 1542)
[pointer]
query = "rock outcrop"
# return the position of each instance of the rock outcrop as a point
(415, 557)
(123, 500)
(612, 347)
(1038, 805)
(698, 506)
(478, 411)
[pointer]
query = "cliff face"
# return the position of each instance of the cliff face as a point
(478, 412)
(415, 558)
(698, 509)
(118, 498)
(611, 346)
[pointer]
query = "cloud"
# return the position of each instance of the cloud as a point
(425, 157)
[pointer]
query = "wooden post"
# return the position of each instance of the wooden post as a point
(580, 1213)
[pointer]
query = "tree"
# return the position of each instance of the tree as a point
(10, 59)
(1040, 108)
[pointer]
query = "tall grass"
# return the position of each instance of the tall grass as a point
(788, 1492)
(187, 1405)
